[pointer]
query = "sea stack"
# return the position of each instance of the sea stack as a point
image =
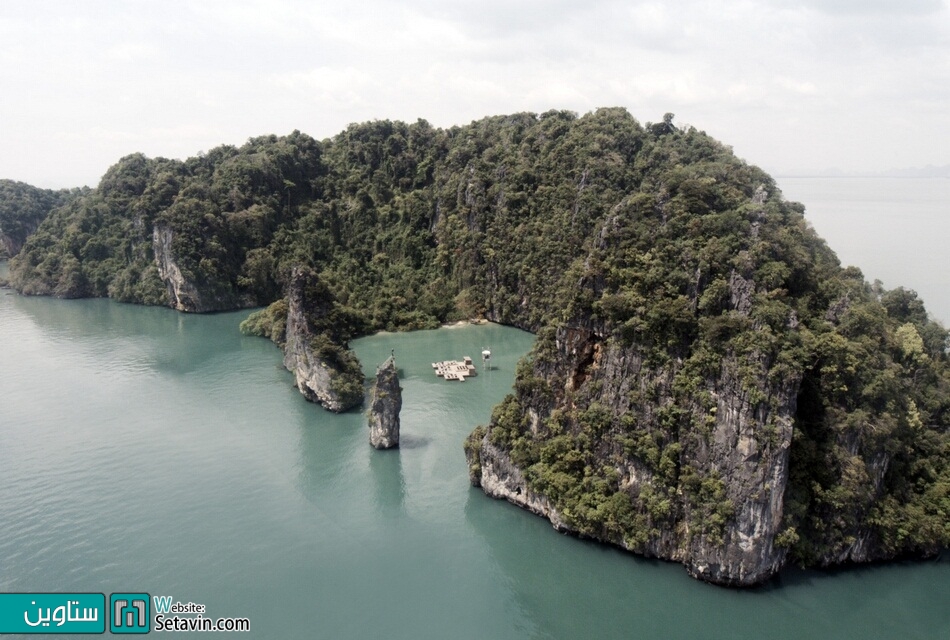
(326, 370)
(386, 403)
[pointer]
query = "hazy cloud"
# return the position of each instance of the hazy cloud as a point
(792, 85)
(870, 7)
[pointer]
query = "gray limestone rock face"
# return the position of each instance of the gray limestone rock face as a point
(182, 294)
(191, 292)
(501, 479)
(385, 407)
(10, 245)
(314, 374)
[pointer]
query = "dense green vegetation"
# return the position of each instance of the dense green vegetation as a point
(877, 389)
(23, 208)
(653, 242)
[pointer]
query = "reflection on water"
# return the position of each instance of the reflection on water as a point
(386, 467)
(573, 588)
(413, 442)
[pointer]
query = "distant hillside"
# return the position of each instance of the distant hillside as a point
(22, 209)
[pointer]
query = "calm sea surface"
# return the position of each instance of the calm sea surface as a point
(142, 450)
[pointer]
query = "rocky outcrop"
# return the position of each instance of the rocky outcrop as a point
(192, 289)
(182, 294)
(748, 449)
(325, 371)
(500, 478)
(716, 504)
(384, 410)
(10, 246)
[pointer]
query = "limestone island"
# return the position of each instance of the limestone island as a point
(709, 385)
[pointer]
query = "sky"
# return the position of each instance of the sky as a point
(794, 86)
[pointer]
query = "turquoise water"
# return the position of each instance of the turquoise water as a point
(146, 450)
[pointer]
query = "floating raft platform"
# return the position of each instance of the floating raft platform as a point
(454, 369)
